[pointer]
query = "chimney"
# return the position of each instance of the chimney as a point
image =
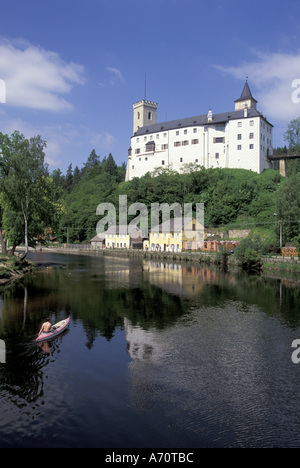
(209, 116)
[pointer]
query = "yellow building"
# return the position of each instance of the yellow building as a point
(122, 237)
(175, 235)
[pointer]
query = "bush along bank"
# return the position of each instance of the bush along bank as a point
(13, 268)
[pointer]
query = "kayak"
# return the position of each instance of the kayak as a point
(55, 330)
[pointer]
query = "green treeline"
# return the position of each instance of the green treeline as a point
(37, 205)
(233, 198)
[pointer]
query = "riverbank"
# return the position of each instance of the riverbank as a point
(273, 263)
(13, 268)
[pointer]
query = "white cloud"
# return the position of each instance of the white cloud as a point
(114, 75)
(272, 76)
(104, 139)
(37, 78)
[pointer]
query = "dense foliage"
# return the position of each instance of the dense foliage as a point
(36, 204)
(233, 198)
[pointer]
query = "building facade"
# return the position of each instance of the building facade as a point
(241, 138)
(175, 235)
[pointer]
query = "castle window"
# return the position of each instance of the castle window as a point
(251, 136)
(251, 146)
(185, 143)
(239, 137)
(139, 115)
(149, 116)
(185, 132)
(181, 160)
(177, 143)
(239, 124)
(251, 123)
(163, 163)
(217, 155)
(195, 142)
(239, 147)
(194, 130)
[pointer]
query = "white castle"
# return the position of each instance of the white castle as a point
(238, 139)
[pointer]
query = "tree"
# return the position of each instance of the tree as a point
(69, 179)
(249, 253)
(287, 206)
(25, 185)
(110, 165)
(92, 163)
(292, 135)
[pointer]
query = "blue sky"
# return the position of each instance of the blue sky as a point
(73, 68)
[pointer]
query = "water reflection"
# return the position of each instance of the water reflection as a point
(202, 354)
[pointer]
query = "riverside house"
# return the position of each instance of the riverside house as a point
(175, 235)
(118, 237)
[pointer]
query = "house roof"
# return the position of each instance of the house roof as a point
(199, 120)
(172, 225)
(116, 229)
(98, 238)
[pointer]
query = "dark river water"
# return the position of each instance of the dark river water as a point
(156, 355)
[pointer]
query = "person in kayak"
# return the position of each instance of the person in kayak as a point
(46, 327)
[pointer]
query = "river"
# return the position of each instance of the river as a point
(157, 355)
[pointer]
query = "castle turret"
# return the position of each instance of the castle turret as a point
(246, 100)
(144, 113)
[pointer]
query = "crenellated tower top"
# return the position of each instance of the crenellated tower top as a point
(144, 113)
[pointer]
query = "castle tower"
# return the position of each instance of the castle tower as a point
(246, 100)
(144, 113)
